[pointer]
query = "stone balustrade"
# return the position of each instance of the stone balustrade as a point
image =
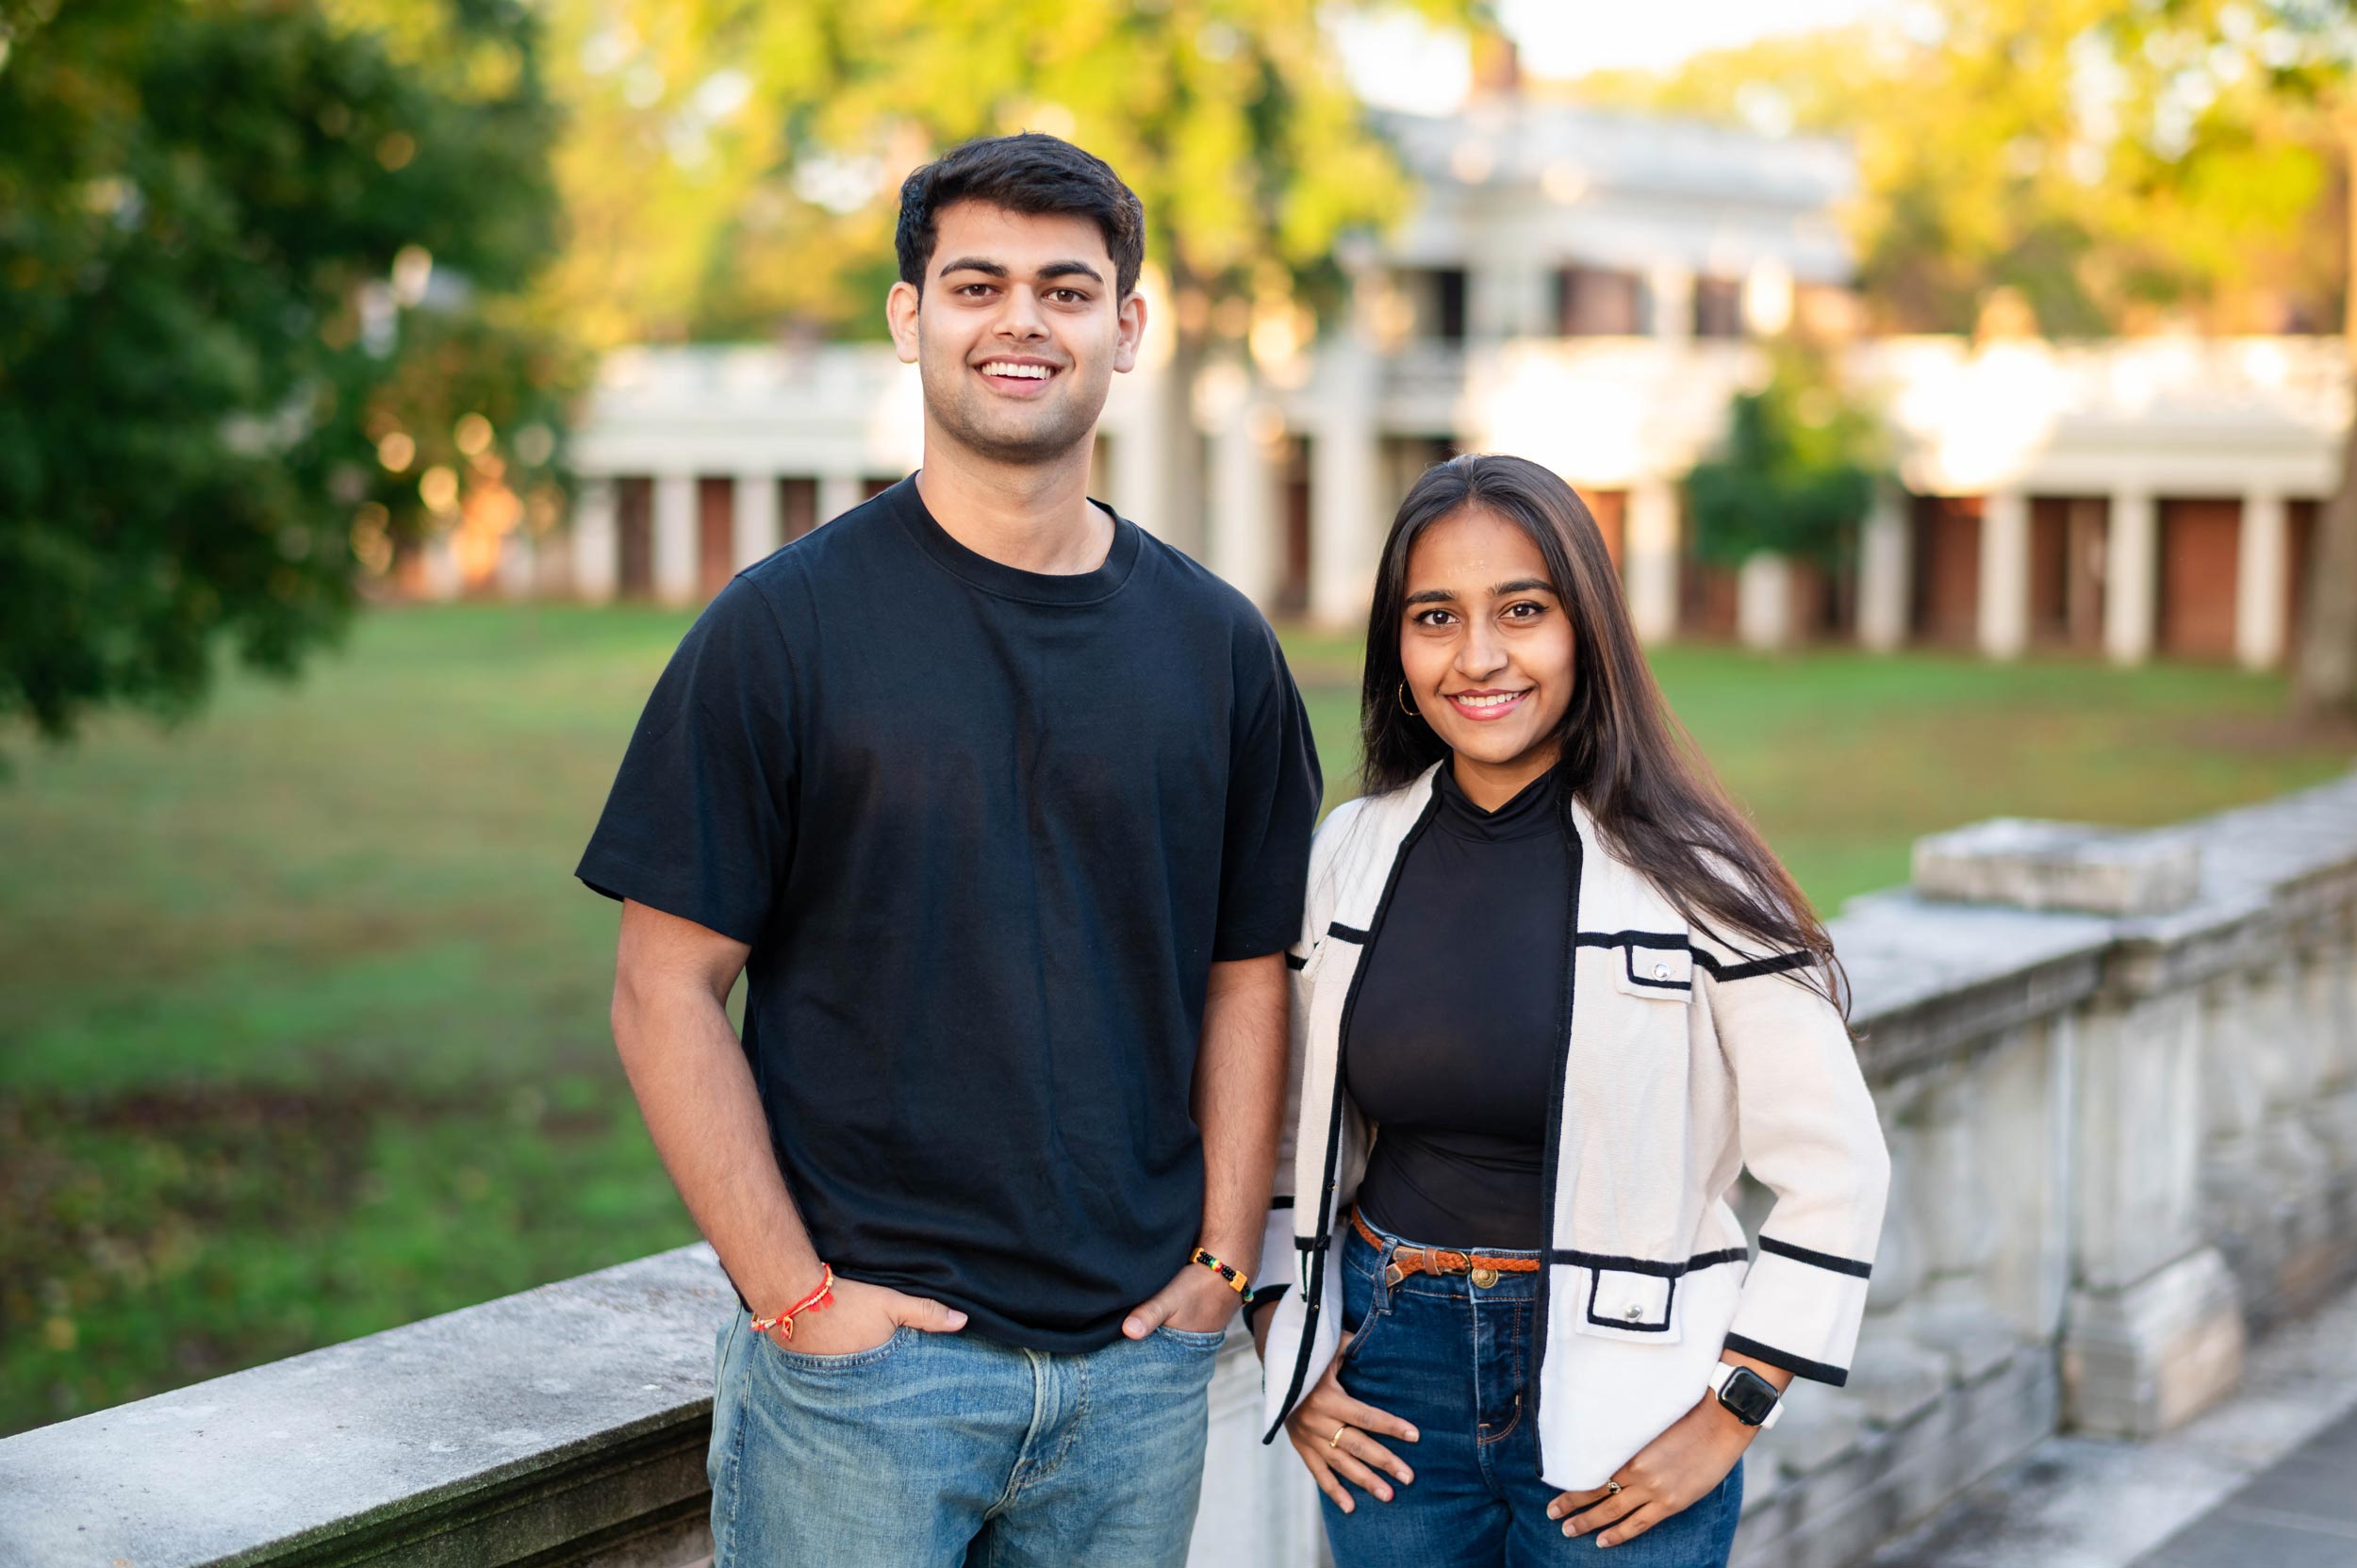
(2123, 1126)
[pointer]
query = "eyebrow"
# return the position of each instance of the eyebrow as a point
(997, 268)
(1519, 585)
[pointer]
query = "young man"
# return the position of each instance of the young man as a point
(1003, 808)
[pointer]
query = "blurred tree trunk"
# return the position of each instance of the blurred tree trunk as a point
(2325, 679)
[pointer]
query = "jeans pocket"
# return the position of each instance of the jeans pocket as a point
(1194, 1339)
(804, 1362)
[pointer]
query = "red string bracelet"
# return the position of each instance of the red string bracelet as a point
(816, 1299)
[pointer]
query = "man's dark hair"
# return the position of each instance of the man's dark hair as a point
(1030, 173)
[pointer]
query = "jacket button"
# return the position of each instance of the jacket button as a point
(1633, 1311)
(1661, 971)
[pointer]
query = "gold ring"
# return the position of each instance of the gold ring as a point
(1336, 1441)
(1611, 1488)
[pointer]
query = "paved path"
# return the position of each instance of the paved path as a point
(2299, 1512)
(2266, 1480)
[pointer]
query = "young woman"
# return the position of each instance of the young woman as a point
(1552, 993)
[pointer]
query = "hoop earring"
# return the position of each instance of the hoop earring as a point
(1403, 701)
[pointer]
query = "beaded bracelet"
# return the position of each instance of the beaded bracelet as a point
(1237, 1280)
(819, 1297)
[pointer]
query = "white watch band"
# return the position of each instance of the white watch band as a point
(1725, 1370)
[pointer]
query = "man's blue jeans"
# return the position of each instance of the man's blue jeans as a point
(1455, 1358)
(949, 1451)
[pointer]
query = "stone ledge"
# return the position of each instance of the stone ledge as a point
(557, 1418)
(2067, 866)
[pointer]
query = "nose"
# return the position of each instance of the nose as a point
(1483, 651)
(1021, 317)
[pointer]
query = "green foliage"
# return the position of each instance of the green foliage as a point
(1798, 472)
(212, 213)
(734, 167)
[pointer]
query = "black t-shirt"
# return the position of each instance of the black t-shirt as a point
(985, 831)
(1460, 1021)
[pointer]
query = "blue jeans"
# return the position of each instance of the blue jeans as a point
(1455, 1359)
(949, 1451)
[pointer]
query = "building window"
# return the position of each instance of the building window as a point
(1718, 308)
(1594, 301)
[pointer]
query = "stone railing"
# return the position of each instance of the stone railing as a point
(2119, 1074)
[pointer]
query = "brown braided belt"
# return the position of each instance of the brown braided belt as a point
(1482, 1266)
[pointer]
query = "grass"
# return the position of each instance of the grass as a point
(301, 1015)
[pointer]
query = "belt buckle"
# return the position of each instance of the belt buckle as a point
(1392, 1275)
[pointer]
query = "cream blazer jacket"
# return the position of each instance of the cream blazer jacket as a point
(1682, 1063)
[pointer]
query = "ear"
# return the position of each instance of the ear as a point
(900, 316)
(1130, 332)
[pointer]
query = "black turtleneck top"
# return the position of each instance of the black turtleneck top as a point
(1457, 1026)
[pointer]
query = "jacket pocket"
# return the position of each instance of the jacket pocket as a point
(1626, 1303)
(1655, 973)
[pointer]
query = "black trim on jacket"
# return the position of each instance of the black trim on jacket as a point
(1817, 1259)
(1800, 1366)
(1555, 1129)
(1314, 1281)
(1679, 941)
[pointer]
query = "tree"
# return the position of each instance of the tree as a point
(1796, 472)
(259, 323)
(760, 149)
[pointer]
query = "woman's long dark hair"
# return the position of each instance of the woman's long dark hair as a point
(1644, 781)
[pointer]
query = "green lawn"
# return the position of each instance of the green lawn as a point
(301, 1015)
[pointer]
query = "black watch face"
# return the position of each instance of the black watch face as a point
(1750, 1395)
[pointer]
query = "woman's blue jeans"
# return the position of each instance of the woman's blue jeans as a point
(1457, 1360)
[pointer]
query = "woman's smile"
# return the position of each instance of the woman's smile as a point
(1485, 707)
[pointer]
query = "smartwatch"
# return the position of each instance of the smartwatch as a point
(1751, 1398)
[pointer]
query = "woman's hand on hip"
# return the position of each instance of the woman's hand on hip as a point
(1335, 1436)
(1669, 1475)
(861, 1317)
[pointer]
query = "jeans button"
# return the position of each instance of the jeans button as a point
(1484, 1277)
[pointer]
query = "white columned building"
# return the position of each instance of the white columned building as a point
(1649, 556)
(2004, 630)
(754, 520)
(838, 492)
(2261, 580)
(1589, 290)
(1884, 583)
(2132, 576)
(676, 537)
(596, 542)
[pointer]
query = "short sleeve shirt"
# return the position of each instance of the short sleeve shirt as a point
(985, 831)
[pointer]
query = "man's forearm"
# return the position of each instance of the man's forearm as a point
(701, 1107)
(1238, 1100)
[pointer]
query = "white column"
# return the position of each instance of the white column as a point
(2262, 569)
(443, 578)
(1885, 580)
(1763, 601)
(1649, 554)
(2004, 614)
(1346, 514)
(597, 547)
(839, 493)
(675, 537)
(1242, 543)
(753, 517)
(1157, 411)
(1672, 289)
(2131, 577)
